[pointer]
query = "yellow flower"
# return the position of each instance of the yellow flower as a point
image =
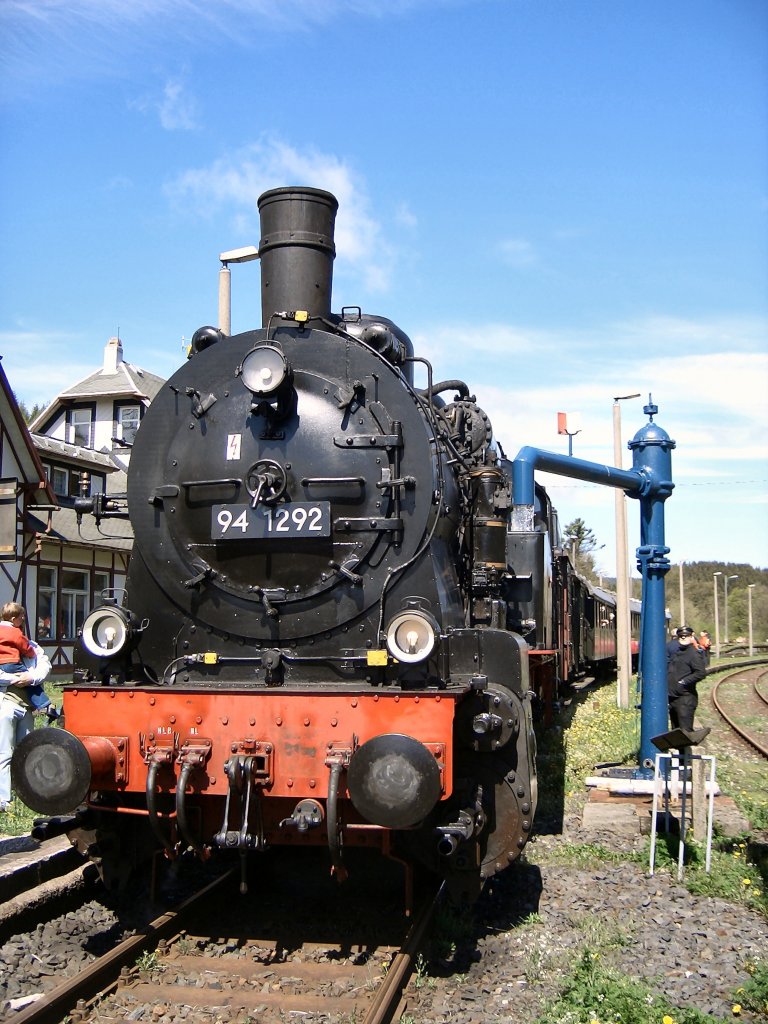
(666, 1019)
(746, 881)
(736, 1009)
(594, 1021)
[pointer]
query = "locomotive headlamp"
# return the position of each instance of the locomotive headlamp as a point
(107, 631)
(264, 370)
(412, 635)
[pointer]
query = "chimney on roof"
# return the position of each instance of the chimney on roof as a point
(113, 355)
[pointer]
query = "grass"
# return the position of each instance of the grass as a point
(593, 730)
(754, 994)
(741, 774)
(148, 962)
(595, 994)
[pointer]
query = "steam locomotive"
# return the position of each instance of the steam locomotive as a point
(332, 632)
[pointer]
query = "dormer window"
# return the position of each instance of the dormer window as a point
(126, 422)
(80, 425)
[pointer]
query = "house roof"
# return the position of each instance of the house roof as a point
(112, 534)
(87, 457)
(128, 380)
(115, 379)
(20, 440)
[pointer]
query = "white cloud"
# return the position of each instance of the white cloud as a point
(405, 217)
(175, 108)
(235, 183)
(713, 405)
(25, 353)
(517, 252)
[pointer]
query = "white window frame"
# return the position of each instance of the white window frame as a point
(62, 475)
(81, 423)
(48, 590)
(101, 582)
(74, 602)
(128, 420)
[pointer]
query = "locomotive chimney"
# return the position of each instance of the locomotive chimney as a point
(296, 251)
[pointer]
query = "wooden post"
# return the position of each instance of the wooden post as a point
(698, 800)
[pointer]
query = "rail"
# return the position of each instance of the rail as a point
(716, 700)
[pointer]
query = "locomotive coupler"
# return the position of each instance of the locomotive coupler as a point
(337, 760)
(243, 772)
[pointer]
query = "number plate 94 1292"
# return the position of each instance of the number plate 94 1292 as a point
(290, 520)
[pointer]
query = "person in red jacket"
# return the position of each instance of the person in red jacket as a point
(705, 644)
(14, 647)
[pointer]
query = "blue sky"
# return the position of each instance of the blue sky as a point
(559, 201)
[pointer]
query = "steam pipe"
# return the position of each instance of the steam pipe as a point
(154, 818)
(181, 810)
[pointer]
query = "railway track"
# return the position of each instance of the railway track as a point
(191, 970)
(740, 700)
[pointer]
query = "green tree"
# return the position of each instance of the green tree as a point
(699, 583)
(582, 543)
(29, 414)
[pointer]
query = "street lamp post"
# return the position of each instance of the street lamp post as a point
(717, 615)
(726, 578)
(243, 255)
(623, 648)
(750, 588)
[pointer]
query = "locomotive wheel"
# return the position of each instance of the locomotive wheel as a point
(512, 814)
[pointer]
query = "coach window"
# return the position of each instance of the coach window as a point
(46, 603)
(126, 423)
(80, 425)
(74, 602)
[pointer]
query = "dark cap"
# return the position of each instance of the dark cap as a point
(684, 631)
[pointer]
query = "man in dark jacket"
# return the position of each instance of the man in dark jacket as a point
(685, 667)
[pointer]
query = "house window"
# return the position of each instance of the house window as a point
(74, 484)
(80, 424)
(127, 418)
(8, 510)
(59, 481)
(74, 602)
(46, 603)
(101, 588)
